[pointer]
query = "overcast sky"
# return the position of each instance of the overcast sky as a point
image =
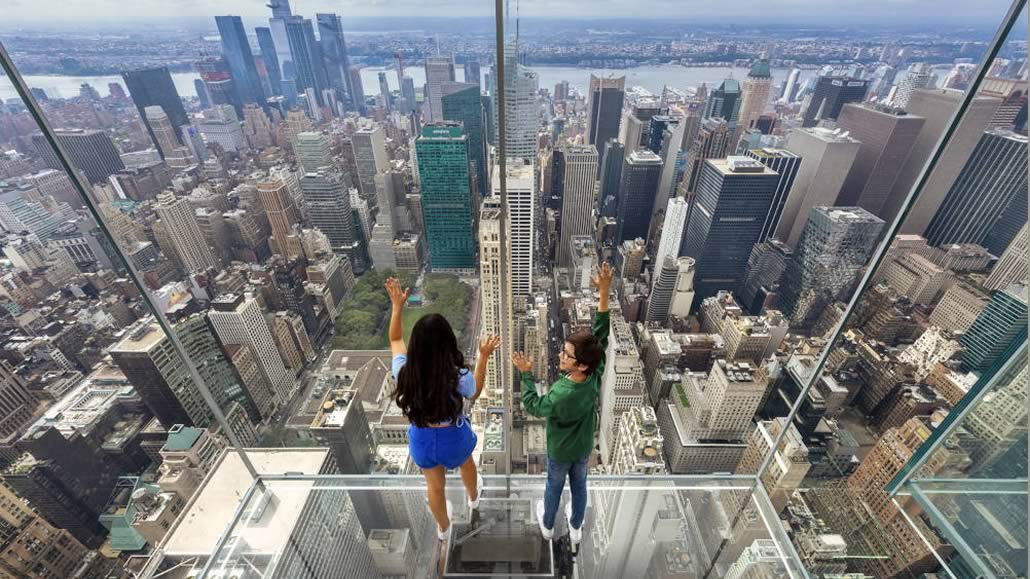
(804, 12)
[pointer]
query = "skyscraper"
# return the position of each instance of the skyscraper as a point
(282, 213)
(995, 328)
(358, 88)
(732, 201)
(180, 222)
(307, 57)
(384, 91)
(521, 114)
(635, 127)
(147, 360)
(472, 72)
(237, 319)
(370, 158)
(218, 82)
(311, 150)
(832, 252)
(270, 58)
(786, 164)
(830, 94)
(604, 110)
(826, 159)
(580, 177)
(711, 142)
(1012, 265)
(15, 397)
(92, 152)
(610, 177)
(337, 61)
(887, 137)
(439, 70)
(176, 155)
(765, 267)
(672, 291)
(154, 87)
(329, 207)
(460, 101)
(992, 177)
(492, 293)
(920, 75)
(937, 107)
(790, 86)
(236, 50)
(622, 384)
(521, 204)
(754, 94)
(724, 103)
(638, 187)
(408, 101)
(672, 230)
(443, 167)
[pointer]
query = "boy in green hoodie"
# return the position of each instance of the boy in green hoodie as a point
(570, 408)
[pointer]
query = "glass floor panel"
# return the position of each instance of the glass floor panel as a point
(323, 527)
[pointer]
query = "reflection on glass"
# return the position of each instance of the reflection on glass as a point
(261, 176)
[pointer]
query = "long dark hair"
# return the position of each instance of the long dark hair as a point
(427, 385)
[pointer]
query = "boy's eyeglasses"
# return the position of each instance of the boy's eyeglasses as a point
(567, 355)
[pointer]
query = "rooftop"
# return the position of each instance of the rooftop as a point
(140, 338)
(182, 437)
(215, 503)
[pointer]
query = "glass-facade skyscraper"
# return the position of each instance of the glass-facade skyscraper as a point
(337, 62)
(994, 175)
(154, 86)
(637, 189)
(733, 198)
(604, 106)
(461, 102)
(271, 59)
(995, 327)
(830, 95)
(307, 56)
(443, 168)
(236, 50)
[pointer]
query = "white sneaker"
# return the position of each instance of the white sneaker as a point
(443, 534)
(547, 533)
(576, 535)
(474, 504)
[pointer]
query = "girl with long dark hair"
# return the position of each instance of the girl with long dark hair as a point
(432, 381)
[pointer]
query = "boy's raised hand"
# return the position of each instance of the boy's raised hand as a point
(488, 344)
(602, 278)
(397, 295)
(521, 362)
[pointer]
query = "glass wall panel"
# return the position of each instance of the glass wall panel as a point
(923, 344)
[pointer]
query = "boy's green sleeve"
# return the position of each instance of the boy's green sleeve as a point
(602, 327)
(535, 404)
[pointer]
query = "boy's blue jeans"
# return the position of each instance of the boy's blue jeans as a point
(577, 474)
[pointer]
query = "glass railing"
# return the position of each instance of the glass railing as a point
(968, 483)
(304, 526)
